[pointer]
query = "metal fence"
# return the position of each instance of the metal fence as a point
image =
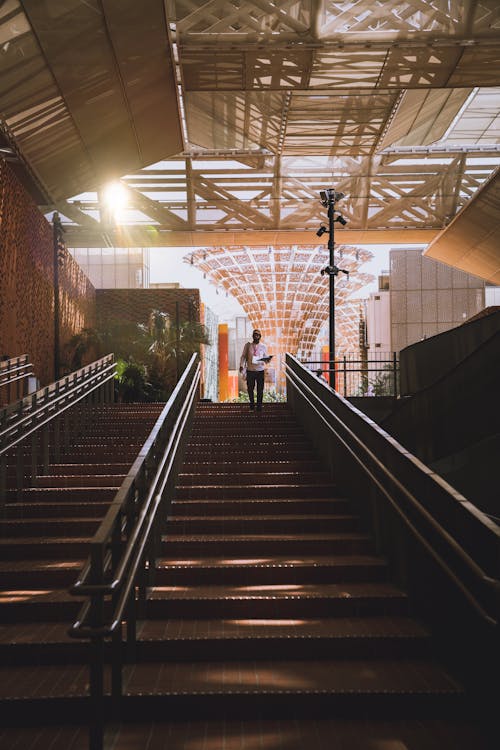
(351, 374)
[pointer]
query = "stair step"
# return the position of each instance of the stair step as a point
(31, 548)
(247, 545)
(73, 469)
(80, 480)
(62, 494)
(252, 479)
(365, 685)
(284, 601)
(244, 639)
(49, 527)
(94, 509)
(39, 573)
(48, 605)
(263, 508)
(278, 570)
(251, 467)
(230, 491)
(266, 734)
(261, 524)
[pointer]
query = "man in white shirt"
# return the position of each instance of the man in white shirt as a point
(252, 361)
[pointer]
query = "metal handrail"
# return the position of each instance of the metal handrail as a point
(489, 611)
(15, 370)
(343, 366)
(21, 419)
(47, 415)
(124, 549)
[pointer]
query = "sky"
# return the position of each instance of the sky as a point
(167, 265)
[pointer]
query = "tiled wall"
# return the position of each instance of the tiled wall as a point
(26, 282)
(429, 297)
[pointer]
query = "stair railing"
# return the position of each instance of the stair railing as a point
(370, 465)
(124, 550)
(14, 374)
(50, 415)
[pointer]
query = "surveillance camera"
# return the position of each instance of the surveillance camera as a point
(321, 231)
(330, 195)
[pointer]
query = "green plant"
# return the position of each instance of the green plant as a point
(131, 383)
(268, 397)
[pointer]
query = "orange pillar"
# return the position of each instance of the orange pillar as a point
(325, 356)
(223, 362)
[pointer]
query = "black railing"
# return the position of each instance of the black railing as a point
(352, 376)
(123, 552)
(14, 378)
(47, 419)
(462, 541)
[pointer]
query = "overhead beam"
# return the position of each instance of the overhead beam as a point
(136, 236)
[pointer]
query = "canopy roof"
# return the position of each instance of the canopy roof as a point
(283, 292)
(224, 115)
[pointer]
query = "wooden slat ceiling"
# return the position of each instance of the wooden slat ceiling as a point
(224, 116)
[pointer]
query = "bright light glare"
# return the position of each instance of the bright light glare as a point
(116, 198)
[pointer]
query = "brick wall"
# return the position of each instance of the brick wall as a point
(135, 305)
(26, 282)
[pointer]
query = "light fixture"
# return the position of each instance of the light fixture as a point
(321, 231)
(341, 220)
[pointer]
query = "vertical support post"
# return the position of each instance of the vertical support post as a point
(177, 341)
(395, 369)
(57, 238)
(96, 681)
(3, 481)
(331, 276)
(57, 432)
(345, 375)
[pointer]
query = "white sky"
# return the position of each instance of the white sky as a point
(167, 266)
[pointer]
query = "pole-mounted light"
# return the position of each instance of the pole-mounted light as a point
(329, 197)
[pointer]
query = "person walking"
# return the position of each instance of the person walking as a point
(252, 361)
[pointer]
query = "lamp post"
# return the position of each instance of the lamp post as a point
(329, 198)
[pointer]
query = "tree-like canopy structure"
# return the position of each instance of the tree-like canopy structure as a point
(283, 292)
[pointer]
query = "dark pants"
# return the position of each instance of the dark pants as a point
(252, 379)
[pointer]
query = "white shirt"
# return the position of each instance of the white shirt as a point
(251, 353)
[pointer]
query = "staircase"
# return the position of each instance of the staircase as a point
(43, 544)
(272, 621)
(272, 624)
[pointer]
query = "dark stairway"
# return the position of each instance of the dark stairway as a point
(272, 622)
(43, 545)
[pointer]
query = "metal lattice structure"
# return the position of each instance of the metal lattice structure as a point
(230, 115)
(283, 293)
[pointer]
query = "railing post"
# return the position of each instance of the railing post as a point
(96, 681)
(57, 432)
(395, 368)
(345, 375)
(45, 450)
(3, 481)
